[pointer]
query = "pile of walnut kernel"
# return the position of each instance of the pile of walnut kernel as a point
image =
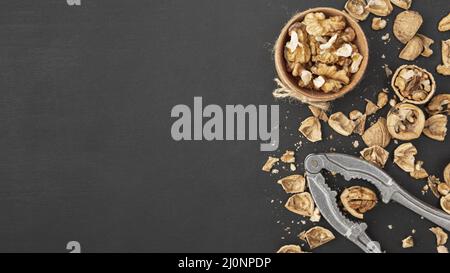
(321, 53)
(415, 110)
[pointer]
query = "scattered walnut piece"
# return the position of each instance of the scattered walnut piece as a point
(311, 129)
(443, 189)
(404, 4)
(413, 84)
(371, 108)
(288, 157)
(358, 200)
(447, 174)
(444, 24)
(301, 204)
(441, 236)
(405, 121)
(315, 218)
(293, 184)
(419, 172)
(442, 249)
(376, 155)
(359, 120)
(378, 134)
(427, 42)
(380, 7)
(444, 69)
(440, 104)
(378, 23)
(316, 236)
(412, 50)
(406, 25)
(318, 113)
(445, 203)
(270, 163)
(341, 124)
(290, 249)
(383, 99)
(357, 9)
(408, 242)
(433, 185)
(404, 157)
(436, 127)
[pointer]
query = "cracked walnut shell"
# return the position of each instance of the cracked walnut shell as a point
(413, 49)
(436, 127)
(447, 174)
(293, 184)
(358, 200)
(405, 121)
(413, 84)
(404, 4)
(445, 203)
(440, 104)
(377, 135)
(444, 24)
(316, 236)
(290, 249)
(359, 120)
(406, 25)
(318, 113)
(380, 7)
(444, 68)
(419, 172)
(404, 157)
(357, 9)
(301, 204)
(376, 155)
(311, 129)
(341, 124)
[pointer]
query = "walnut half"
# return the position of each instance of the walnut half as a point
(413, 84)
(293, 184)
(377, 135)
(436, 127)
(406, 25)
(358, 200)
(311, 129)
(406, 121)
(301, 204)
(341, 124)
(376, 154)
(316, 236)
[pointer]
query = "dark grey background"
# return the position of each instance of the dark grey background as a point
(85, 146)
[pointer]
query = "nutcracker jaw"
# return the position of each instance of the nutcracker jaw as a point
(354, 168)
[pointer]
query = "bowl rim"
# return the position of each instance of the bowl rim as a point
(312, 95)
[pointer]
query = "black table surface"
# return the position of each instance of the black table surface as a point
(86, 152)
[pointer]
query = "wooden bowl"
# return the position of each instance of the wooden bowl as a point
(291, 81)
